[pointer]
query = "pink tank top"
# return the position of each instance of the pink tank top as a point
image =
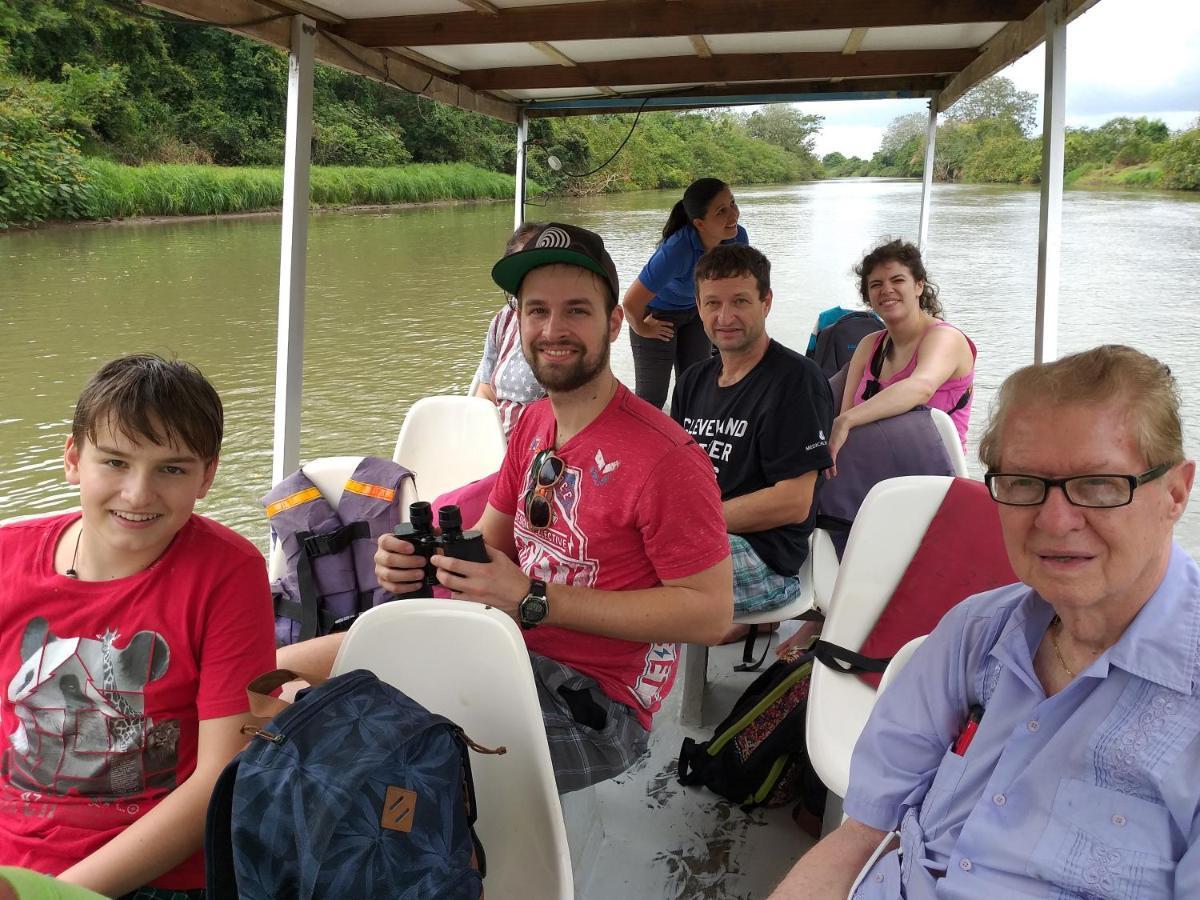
(944, 398)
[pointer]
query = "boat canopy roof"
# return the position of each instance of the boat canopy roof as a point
(502, 57)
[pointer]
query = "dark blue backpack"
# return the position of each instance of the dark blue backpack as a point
(355, 790)
(835, 341)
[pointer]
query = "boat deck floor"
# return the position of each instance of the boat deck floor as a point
(643, 835)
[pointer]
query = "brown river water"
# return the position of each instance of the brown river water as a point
(398, 302)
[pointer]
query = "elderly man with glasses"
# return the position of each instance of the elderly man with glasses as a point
(1044, 741)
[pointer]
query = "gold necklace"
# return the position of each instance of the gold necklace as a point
(1054, 643)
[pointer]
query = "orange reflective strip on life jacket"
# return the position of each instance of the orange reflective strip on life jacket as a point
(378, 491)
(305, 496)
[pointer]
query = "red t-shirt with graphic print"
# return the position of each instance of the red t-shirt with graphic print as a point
(638, 504)
(105, 683)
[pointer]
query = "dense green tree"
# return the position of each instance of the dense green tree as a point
(785, 126)
(1181, 161)
(902, 148)
(996, 98)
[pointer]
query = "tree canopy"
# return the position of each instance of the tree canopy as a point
(996, 98)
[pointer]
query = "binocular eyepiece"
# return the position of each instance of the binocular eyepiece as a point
(452, 541)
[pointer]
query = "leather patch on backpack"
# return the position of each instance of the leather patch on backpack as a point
(399, 809)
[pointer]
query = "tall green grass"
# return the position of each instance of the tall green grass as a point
(115, 191)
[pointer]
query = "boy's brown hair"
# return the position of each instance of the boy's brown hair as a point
(146, 397)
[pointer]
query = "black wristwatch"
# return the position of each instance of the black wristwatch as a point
(535, 607)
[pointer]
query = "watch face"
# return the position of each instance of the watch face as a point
(534, 609)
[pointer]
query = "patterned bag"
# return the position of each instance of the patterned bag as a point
(355, 790)
(757, 756)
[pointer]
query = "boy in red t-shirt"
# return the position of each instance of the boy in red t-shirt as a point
(128, 633)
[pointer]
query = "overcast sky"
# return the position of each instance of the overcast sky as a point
(1124, 58)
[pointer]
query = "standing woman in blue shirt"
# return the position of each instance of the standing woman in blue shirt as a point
(660, 305)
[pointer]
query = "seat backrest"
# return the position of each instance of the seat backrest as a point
(949, 434)
(469, 663)
(825, 566)
(450, 441)
(886, 534)
(899, 661)
(329, 474)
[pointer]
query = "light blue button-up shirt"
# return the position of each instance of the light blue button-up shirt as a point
(1091, 793)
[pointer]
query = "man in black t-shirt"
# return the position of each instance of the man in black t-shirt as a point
(762, 413)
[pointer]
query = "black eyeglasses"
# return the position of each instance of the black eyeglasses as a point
(1091, 491)
(546, 472)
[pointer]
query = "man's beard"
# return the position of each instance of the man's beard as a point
(561, 378)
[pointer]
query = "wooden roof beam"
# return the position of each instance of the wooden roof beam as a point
(616, 19)
(724, 67)
(335, 51)
(700, 45)
(920, 86)
(854, 41)
(482, 6)
(554, 53)
(1014, 40)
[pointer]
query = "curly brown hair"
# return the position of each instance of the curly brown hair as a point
(907, 255)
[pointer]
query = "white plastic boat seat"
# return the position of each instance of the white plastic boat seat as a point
(899, 661)
(885, 536)
(450, 441)
(695, 656)
(469, 663)
(802, 604)
(825, 566)
(329, 475)
(951, 440)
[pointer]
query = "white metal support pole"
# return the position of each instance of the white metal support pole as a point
(1045, 340)
(927, 178)
(522, 153)
(289, 352)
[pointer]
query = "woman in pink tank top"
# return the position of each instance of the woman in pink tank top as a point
(918, 359)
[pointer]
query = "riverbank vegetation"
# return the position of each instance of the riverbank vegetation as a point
(105, 114)
(987, 136)
(114, 191)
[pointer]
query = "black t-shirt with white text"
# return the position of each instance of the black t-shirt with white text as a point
(771, 426)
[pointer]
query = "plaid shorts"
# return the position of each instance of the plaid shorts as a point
(592, 737)
(756, 586)
(153, 893)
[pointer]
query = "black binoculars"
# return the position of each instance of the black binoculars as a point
(453, 541)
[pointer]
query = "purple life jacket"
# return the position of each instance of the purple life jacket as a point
(907, 444)
(330, 553)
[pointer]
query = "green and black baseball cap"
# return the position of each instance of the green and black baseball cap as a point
(557, 243)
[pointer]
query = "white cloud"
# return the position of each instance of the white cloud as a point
(1124, 57)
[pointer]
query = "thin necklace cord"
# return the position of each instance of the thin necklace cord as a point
(71, 572)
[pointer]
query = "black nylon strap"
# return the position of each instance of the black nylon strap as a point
(335, 541)
(880, 354)
(843, 660)
(307, 582)
(687, 773)
(748, 663)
